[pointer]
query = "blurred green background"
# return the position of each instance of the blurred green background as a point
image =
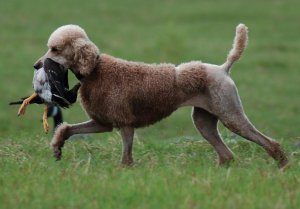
(175, 168)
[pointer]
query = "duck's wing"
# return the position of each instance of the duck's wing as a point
(60, 101)
(71, 95)
(58, 77)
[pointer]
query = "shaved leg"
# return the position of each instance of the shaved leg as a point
(45, 119)
(228, 108)
(206, 124)
(127, 137)
(243, 127)
(22, 109)
(64, 131)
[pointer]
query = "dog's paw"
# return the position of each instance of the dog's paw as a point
(57, 150)
(127, 162)
(284, 164)
(58, 140)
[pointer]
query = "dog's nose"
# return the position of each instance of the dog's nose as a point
(38, 65)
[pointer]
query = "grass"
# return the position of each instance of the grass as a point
(175, 167)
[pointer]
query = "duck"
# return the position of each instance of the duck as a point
(51, 88)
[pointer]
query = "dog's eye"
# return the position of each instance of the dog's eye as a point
(54, 49)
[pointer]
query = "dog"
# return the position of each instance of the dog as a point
(116, 93)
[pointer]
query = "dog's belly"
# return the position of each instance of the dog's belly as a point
(136, 110)
(147, 112)
(133, 112)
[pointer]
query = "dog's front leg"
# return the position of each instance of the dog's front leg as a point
(127, 137)
(64, 131)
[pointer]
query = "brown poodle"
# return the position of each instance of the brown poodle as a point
(117, 93)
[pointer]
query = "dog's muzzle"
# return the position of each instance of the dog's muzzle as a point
(38, 65)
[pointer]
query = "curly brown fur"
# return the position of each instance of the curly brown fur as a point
(136, 94)
(58, 140)
(127, 95)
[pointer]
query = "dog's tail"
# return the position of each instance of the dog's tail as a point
(239, 45)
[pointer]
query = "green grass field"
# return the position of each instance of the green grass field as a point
(175, 167)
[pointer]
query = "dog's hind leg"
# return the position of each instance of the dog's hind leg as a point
(206, 123)
(243, 127)
(229, 110)
(64, 131)
(127, 134)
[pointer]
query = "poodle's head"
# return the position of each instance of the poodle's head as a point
(70, 46)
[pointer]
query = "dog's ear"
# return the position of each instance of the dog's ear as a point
(85, 57)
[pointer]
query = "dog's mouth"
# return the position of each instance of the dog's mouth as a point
(53, 65)
(38, 65)
(51, 70)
